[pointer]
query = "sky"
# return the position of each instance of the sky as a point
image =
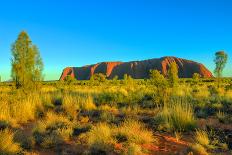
(81, 32)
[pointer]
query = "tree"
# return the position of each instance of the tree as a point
(173, 74)
(220, 61)
(157, 79)
(27, 65)
(98, 78)
(69, 79)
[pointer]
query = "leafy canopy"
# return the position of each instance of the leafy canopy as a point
(27, 65)
(220, 61)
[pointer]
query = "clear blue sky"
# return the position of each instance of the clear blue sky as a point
(80, 32)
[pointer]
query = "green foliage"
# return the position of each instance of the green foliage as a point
(157, 79)
(177, 116)
(196, 77)
(173, 74)
(98, 78)
(201, 137)
(26, 62)
(128, 80)
(69, 79)
(135, 132)
(220, 61)
(101, 139)
(52, 130)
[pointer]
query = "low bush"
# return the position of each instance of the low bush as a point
(134, 132)
(100, 139)
(7, 144)
(177, 115)
(52, 130)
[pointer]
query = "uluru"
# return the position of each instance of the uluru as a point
(137, 69)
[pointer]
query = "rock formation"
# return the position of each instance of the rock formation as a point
(137, 69)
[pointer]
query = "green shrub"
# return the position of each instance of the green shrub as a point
(199, 149)
(134, 149)
(177, 115)
(201, 137)
(101, 139)
(134, 132)
(52, 130)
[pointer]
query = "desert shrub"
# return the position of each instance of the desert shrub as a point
(109, 98)
(51, 140)
(100, 139)
(177, 115)
(200, 92)
(157, 79)
(134, 149)
(98, 79)
(214, 91)
(130, 133)
(221, 116)
(20, 108)
(70, 105)
(4, 124)
(107, 117)
(69, 79)
(24, 141)
(201, 137)
(108, 108)
(128, 80)
(202, 113)
(52, 130)
(178, 135)
(202, 142)
(199, 149)
(86, 102)
(80, 129)
(134, 132)
(7, 144)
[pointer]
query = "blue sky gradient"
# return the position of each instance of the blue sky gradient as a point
(80, 32)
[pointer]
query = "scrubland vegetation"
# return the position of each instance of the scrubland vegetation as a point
(117, 117)
(159, 115)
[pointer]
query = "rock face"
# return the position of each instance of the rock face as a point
(137, 69)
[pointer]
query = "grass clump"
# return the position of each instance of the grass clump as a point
(130, 135)
(52, 130)
(202, 142)
(199, 149)
(86, 102)
(134, 149)
(100, 139)
(201, 137)
(177, 116)
(134, 132)
(7, 144)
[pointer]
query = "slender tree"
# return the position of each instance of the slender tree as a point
(27, 65)
(220, 61)
(173, 74)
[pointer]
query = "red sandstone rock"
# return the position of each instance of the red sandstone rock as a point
(137, 69)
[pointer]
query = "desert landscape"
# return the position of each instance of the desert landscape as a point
(85, 80)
